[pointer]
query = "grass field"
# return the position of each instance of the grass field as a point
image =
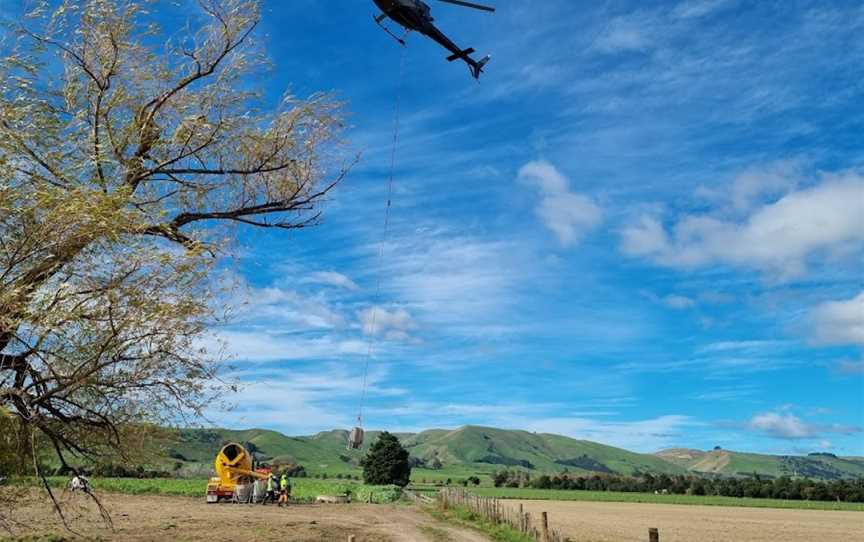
(307, 489)
(304, 489)
(613, 496)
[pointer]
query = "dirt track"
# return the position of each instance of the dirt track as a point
(145, 518)
(629, 522)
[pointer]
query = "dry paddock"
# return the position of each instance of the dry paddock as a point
(182, 519)
(629, 522)
(179, 519)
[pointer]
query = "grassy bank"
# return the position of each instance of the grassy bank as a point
(460, 515)
(614, 496)
(305, 489)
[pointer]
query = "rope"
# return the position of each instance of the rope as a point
(377, 296)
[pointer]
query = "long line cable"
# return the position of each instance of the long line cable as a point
(380, 272)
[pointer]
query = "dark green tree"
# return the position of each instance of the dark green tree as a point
(387, 462)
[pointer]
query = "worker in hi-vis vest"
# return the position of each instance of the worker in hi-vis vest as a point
(270, 496)
(284, 490)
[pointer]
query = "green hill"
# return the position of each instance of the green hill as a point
(482, 450)
(730, 463)
(482, 447)
(464, 451)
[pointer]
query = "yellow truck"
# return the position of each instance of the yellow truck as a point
(234, 466)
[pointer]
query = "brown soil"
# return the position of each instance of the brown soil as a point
(181, 519)
(629, 522)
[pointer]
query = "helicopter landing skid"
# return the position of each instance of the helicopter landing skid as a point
(380, 18)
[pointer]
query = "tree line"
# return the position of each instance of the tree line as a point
(758, 487)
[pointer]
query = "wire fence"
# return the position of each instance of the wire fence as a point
(501, 512)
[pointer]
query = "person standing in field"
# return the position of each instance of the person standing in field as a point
(270, 496)
(284, 490)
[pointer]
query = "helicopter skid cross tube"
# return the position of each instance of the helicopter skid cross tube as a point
(383, 16)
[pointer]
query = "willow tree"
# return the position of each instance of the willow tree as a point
(126, 165)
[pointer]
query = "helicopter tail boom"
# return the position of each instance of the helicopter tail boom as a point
(461, 54)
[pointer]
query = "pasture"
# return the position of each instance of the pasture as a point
(629, 522)
(650, 498)
(304, 489)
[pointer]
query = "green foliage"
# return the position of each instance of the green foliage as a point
(387, 462)
(16, 456)
(755, 487)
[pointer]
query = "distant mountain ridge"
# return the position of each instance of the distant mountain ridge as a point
(478, 450)
(823, 466)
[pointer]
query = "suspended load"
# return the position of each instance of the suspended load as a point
(355, 438)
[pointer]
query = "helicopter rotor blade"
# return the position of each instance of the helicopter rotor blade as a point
(468, 5)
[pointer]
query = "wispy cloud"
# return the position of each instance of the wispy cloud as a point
(673, 301)
(394, 325)
(642, 435)
(851, 367)
(261, 345)
(690, 9)
(839, 322)
(299, 400)
(569, 215)
(332, 278)
(776, 238)
(627, 33)
(785, 425)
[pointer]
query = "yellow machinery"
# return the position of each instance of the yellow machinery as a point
(233, 467)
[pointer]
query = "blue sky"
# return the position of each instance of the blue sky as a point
(644, 227)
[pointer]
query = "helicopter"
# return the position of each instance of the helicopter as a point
(417, 15)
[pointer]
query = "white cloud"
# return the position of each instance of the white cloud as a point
(851, 367)
(839, 322)
(678, 301)
(784, 425)
(773, 180)
(645, 237)
(455, 282)
(623, 34)
(673, 301)
(393, 325)
(777, 238)
(744, 346)
(332, 278)
(642, 435)
(692, 9)
(261, 345)
(298, 401)
(569, 215)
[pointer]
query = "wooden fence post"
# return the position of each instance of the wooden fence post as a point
(544, 526)
(653, 535)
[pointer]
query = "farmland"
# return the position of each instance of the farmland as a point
(617, 522)
(303, 489)
(144, 518)
(650, 498)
